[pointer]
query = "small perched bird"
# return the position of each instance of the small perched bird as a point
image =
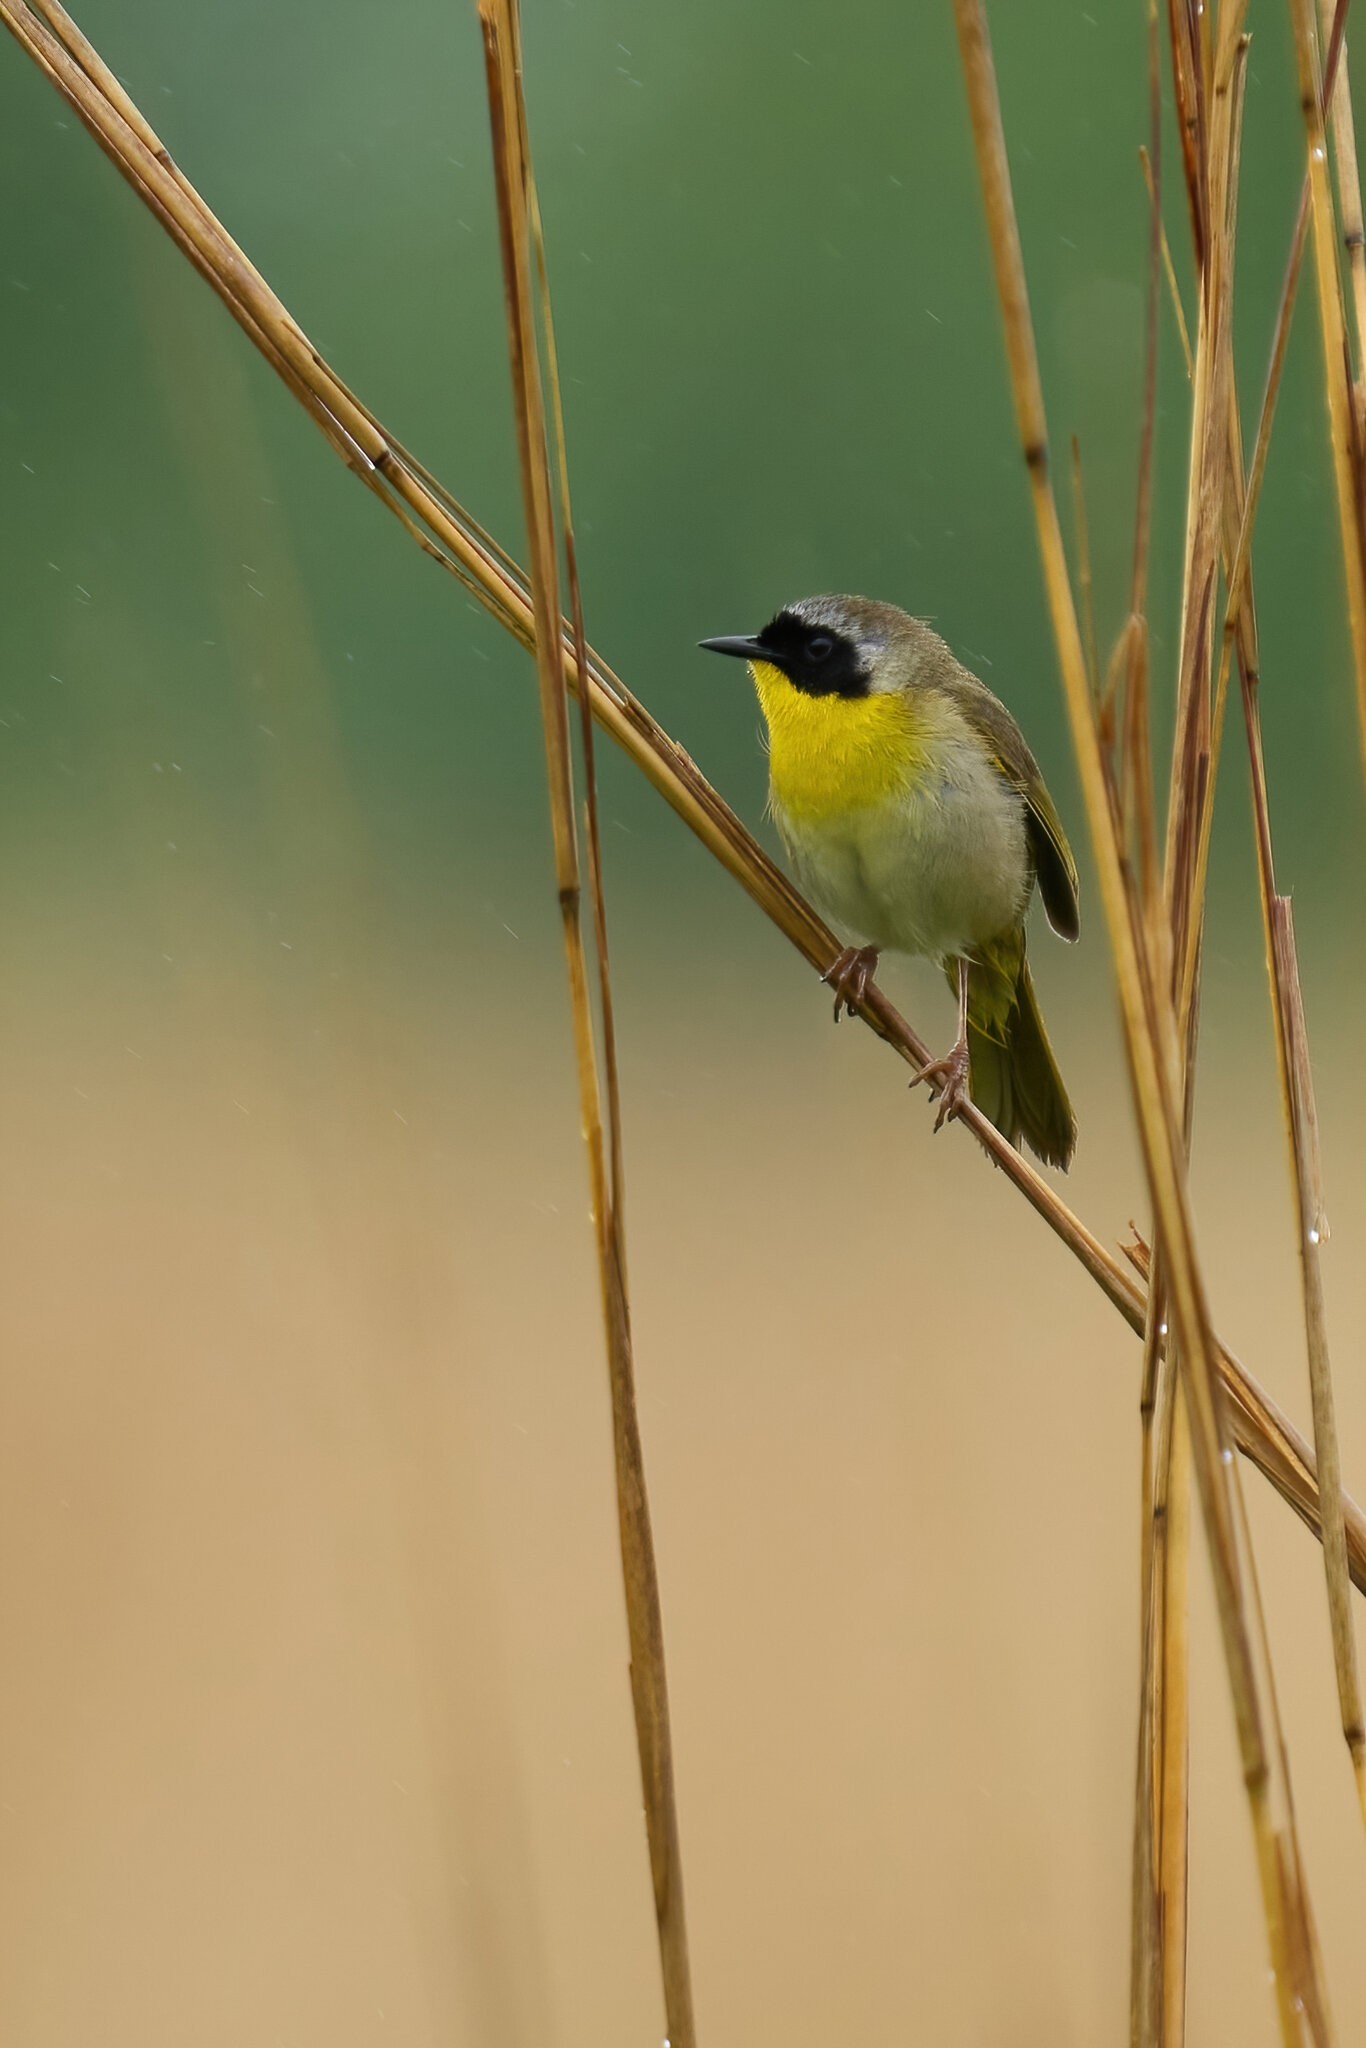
(915, 815)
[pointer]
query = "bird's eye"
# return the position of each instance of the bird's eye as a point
(819, 647)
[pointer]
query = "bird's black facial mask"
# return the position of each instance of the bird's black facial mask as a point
(816, 659)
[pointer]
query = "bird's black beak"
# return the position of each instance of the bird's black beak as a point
(746, 649)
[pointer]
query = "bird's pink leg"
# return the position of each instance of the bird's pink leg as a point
(948, 1078)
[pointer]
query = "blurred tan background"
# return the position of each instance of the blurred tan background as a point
(314, 1721)
(315, 1725)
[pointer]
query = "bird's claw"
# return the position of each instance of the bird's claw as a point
(947, 1080)
(849, 976)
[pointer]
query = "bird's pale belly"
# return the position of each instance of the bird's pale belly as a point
(938, 869)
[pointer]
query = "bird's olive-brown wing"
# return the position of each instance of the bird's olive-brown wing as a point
(1053, 862)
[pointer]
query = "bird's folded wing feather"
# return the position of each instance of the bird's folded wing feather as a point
(1056, 869)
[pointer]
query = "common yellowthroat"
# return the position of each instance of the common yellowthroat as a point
(914, 814)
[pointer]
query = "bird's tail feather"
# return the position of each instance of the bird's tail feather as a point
(1013, 1077)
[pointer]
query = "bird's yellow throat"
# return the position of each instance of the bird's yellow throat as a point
(833, 754)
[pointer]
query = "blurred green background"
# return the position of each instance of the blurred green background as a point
(316, 1727)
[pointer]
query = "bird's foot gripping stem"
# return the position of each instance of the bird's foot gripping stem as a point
(849, 976)
(948, 1081)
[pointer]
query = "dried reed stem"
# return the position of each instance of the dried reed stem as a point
(1173, 288)
(1173, 1775)
(1338, 100)
(1282, 969)
(1301, 1120)
(1240, 629)
(1186, 86)
(1145, 999)
(1344, 427)
(1161, 1833)
(523, 272)
(1159, 1927)
(1085, 586)
(1159, 1993)
(1160, 1876)
(445, 531)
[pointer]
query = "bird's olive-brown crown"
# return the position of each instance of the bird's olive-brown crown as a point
(835, 645)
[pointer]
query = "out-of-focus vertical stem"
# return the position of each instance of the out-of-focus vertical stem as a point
(1349, 187)
(1343, 422)
(1147, 1011)
(519, 232)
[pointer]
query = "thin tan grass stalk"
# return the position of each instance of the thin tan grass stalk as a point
(1282, 968)
(1173, 1775)
(1344, 426)
(1240, 629)
(1195, 751)
(1186, 84)
(583, 694)
(1160, 1874)
(1236, 574)
(1169, 269)
(1159, 1925)
(1145, 1000)
(1215, 456)
(1152, 164)
(523, 276)
(445, 531)
(1317, 2018)
(1085, 586)
(1338, 100)
(1306, 1176)
(1283, 976)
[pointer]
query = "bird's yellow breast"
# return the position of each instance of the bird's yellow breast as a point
(832, 754)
